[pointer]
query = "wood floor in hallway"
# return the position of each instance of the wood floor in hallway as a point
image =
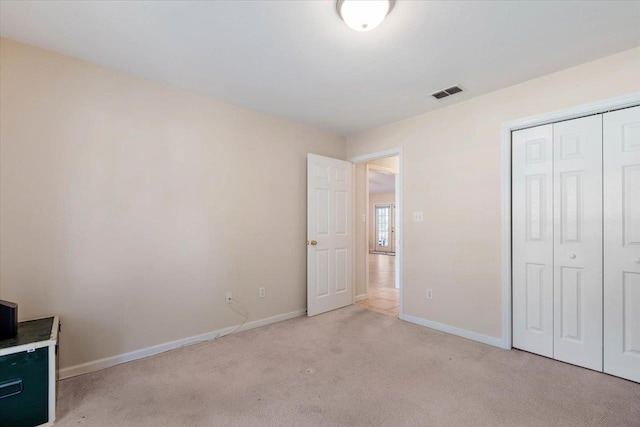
(382, 295)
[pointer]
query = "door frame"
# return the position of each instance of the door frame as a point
(399, 211)
(599, 107)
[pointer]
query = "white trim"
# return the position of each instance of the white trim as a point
(486, 339)
(361, 297)
(399, 210)
(352, 248)
(107, 362)
(26, 347)
(52, 384)
(54, 329)
(506, 236)
(53, 375)
(543, 119)
(575, 112)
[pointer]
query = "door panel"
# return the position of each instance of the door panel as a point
(577, 172)
(532, 236)
(631, 313)
(342, 270)
(572, 321)
(329, 228)
(631, 204)
(534, 297)
(322, 272)
(622, 243)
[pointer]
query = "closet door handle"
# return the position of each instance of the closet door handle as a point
(638, 260)
(572, 256)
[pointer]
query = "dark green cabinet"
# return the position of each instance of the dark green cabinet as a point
(24, 388)
(28, 374)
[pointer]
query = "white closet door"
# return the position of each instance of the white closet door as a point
(622, 243)
(532, 234)
(578, 241)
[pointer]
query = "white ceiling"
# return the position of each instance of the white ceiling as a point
(381, 182)
(297, 59)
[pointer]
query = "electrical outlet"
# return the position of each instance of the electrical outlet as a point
(429, 294)
(229, 297)
(263, 292)
(418, 216)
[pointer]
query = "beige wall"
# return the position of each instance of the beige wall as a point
(373, 200)
(129, 208)
(452, 167)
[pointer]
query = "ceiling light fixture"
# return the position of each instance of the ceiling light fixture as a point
(363, 15)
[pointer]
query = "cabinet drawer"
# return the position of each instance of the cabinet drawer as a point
(24, 384)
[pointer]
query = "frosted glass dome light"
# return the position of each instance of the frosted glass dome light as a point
(363, 15)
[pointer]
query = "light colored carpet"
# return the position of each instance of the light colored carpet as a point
(347, 367)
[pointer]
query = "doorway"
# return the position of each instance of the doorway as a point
(377, 183)
(338, 229)
(571, 300)
(549, 311)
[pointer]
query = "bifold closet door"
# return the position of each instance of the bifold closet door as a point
(577, 249)
(622, 243)
(532, 239)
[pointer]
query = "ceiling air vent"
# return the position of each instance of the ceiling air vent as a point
(447, 92)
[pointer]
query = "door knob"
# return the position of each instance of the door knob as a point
(313, 243)
(572, 256)
(638, 260)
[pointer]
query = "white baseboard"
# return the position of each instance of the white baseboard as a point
(107, 362)
(486, 339)
(361, 297)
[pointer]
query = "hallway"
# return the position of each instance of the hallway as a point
(382, 296)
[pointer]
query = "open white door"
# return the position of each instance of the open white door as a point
(329, 232)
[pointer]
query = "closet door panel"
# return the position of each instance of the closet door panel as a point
(622, 243)
(532, 234)
(577, 260)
